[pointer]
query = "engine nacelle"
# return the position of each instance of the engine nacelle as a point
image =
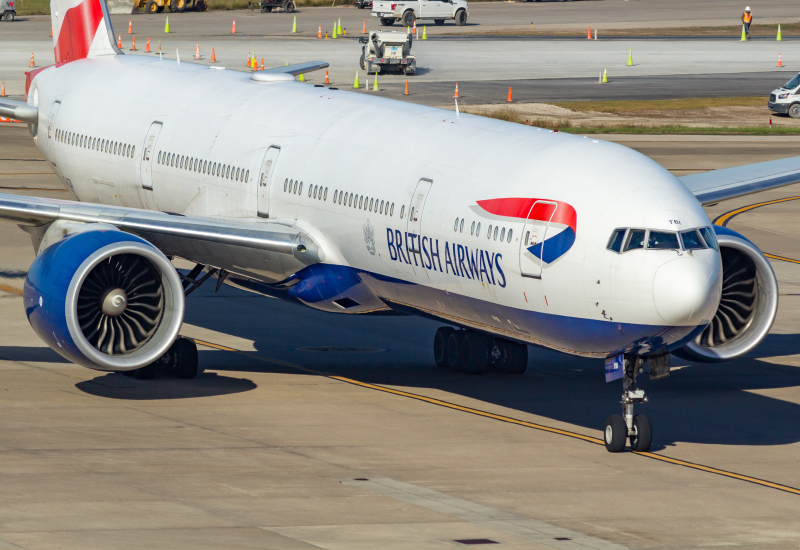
(104, 299)
(747, 307)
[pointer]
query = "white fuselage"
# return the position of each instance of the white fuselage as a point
(589, 301)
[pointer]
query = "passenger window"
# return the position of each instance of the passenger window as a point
(325, 194)
(489, 233)
(461, 229)
(709, 237)
(635, 239)
(247, 176)
(402, 211)
(301, 188)
(615, 242)
(371, 203)
(662, 240)
(455, 227)
(478, 230)
(133, 151)
(691, 240)
(496, 227)
(503, 235)
(360, 202)
(314, 192)
(472, 229)
(510, 231)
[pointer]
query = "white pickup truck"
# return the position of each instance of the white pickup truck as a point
(409, 11)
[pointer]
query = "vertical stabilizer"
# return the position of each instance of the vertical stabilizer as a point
(81, 28)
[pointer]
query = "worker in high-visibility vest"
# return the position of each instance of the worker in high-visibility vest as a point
(747, 18)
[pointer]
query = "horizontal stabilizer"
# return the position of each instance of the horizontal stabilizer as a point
(718, 185)
(18, 110)
(300, 68)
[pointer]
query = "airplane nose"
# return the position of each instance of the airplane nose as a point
(687, 290)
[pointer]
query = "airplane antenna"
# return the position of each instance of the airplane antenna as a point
(178, 57)
(458, 117)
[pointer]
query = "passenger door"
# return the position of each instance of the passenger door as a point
(534, 233)
(264, 180)
(444, 9)
(414, 221)
(51, 126)
(147, 155)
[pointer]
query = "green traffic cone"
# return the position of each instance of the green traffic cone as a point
(294, 24)
(355, 84)
(779, 33)
(375, 86)
(744, 36)
(166, 27)
(605, 76)
(630, 58)
(301, 78)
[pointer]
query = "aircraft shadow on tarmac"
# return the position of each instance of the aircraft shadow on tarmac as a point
(699, 403)
(207, 384)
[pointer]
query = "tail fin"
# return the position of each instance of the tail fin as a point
(81, 28)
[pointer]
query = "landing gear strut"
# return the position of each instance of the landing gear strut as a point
(474, 352)
(619, 429)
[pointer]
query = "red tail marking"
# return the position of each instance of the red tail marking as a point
(77, 31)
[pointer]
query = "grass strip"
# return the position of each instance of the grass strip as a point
(624, 106)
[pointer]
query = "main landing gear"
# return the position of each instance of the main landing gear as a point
(179, 361)
(474, 352)
(619, 429)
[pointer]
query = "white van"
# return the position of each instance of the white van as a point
(786, 100)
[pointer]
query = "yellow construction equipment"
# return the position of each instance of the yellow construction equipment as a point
(157, 6)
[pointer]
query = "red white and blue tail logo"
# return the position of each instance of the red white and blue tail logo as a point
(562, 218)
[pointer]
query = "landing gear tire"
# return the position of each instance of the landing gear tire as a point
(643, 434)
(615, 434)
(145, 373)
(794, 110)
(454, 349)
(185, 358)
(474, 353)
(440, 346)
(509, 357)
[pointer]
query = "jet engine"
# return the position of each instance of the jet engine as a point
(747, 307)
(104, 299)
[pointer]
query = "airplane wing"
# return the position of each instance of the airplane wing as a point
(718, 185)
(269, 250)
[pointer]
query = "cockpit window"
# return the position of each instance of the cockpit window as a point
(663, 240)
(709, 237)
(691, 240)
(615, 242)
(635, 239)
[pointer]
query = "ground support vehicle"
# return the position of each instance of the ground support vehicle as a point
(157, 6)
(361, 4)
(408, 12)
(786, 100)
(387, 51)
(268, 5)
(8, 10)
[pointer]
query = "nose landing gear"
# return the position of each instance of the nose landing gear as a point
(618, 429)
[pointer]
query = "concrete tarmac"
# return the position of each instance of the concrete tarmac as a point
(297, 442)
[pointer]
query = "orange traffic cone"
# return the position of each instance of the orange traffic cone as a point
(233, 28)
(589, 33)
(213, 56)
(327, 80)
(319, 32)
(119, 41)
(147, 46)
(414, 31)
(130, 27)
(159, 47)
(456, 90)
(133, 47)
(780, 63)
(364, 28)
(262, 63)
(51, 32)
(3, 90)
(32, 65)
(197, 50)
(249, 60)
(509, 94)
(406, 92)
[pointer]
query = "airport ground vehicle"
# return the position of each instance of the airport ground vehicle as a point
(8, 10)
(361, 4)
(511, 235)
(786, 99)
(268, 5)
(157, 6)
(407, 12)
(387, 51)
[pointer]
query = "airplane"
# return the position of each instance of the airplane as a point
(507, 234)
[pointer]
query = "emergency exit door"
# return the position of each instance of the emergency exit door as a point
(264, 180)
(148, 152)
(534, 234)
(414, 222)
(51, 126)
